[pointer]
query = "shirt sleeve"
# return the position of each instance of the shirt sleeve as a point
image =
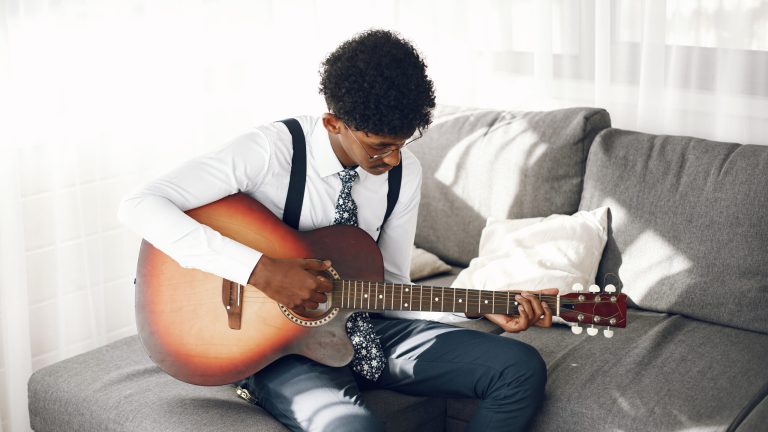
(156, 211)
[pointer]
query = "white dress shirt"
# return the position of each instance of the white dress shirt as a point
(258, 163)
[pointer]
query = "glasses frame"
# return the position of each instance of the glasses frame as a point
(383, 154)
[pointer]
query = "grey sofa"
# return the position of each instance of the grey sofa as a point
(688, 245)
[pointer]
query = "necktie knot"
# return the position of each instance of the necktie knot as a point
(348, 176)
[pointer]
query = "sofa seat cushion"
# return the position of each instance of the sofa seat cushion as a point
(118, 388)
(663, 372)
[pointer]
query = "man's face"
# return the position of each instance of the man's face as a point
(376, 154)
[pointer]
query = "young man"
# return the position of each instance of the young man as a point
(379, 97)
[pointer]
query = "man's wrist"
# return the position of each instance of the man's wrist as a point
(258, 270)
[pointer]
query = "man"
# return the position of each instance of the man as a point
(379, 96)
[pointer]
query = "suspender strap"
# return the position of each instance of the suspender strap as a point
(296, 184)
(295, 196)
(394, 179)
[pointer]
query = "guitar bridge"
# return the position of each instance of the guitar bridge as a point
(232, 297)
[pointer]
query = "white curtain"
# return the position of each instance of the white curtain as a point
(97, 96)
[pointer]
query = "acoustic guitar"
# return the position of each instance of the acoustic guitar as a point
(206, 330)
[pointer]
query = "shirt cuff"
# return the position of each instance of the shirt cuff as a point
(239, 262)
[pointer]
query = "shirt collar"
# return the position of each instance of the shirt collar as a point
(324, 158)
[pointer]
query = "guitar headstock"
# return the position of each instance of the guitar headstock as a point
(595, 308)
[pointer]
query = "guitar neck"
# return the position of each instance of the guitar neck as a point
(381, 296)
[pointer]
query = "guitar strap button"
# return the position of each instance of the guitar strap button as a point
(245, 394)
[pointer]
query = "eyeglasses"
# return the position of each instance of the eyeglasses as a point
(382, 155)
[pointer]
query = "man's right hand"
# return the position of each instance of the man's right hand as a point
(295, 283)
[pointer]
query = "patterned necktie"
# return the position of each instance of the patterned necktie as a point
(369, 358)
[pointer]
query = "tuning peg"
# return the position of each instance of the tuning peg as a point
(610, 288)
(608, 333)
(576, 329)
(594, 288)
(577, 287)
(592, 331)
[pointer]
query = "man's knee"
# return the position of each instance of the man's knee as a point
(526, 376)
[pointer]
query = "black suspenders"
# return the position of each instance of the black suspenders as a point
(295, 196)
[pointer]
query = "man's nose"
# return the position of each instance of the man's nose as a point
(392, 159)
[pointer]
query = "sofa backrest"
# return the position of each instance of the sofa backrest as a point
(482, 163)
(689, 224)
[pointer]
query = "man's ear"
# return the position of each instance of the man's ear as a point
(332, 123)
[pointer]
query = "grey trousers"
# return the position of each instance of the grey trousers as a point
(425, 358)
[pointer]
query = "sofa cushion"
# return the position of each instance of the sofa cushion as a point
(425, 264)
(689, 228)
(537, 253)
(509, 165)
(118, 388)
(663, 372)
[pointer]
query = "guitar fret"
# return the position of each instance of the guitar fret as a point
(431, 294)
(369, 295)
(466, 300)
(421, 297)
(493, 301)
(442, 299)
(376, 301)
(410, 298)
(508, 297)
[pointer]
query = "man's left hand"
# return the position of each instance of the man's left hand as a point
(532, 312)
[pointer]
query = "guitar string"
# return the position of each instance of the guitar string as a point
(585, 314)
(423, 296)
(266, 300)
(481, 294)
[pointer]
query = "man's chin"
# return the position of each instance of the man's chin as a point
(378, 170)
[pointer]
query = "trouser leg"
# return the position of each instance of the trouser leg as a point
(307, 396)
(433, 359)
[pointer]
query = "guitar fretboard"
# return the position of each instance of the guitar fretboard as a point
(380, 296)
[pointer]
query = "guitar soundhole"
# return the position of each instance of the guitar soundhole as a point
(316, 317)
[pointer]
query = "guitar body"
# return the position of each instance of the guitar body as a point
(182, 314)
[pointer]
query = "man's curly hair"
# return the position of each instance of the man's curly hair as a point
(377, 82)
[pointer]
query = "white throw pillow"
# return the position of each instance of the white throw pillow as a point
(532, 254)
(425, 264)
